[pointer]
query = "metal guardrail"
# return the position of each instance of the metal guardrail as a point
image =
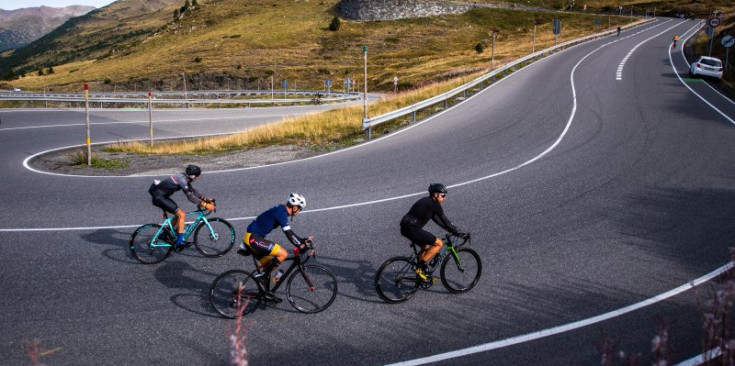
(37, 97)
(368, 123)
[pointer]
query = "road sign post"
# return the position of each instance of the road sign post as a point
(557, 29)
(150, 116)
(395, 84)
(284, 84)
(86, 118)
(713, 23)
(727, 42)
(364, 95)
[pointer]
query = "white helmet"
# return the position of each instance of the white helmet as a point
(295, 199)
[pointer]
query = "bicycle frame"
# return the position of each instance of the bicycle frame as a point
(448, 243)
(296, 264)
(201, 216)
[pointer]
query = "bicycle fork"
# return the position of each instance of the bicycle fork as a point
(456, 259)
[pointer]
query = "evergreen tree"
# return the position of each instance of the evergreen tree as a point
(335, 24)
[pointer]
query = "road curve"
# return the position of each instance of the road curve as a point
(584, 194)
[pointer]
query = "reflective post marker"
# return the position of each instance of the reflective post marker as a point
(86, 117)
(150, 117)
(364, 95)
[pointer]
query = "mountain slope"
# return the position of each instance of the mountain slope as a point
(23, 26)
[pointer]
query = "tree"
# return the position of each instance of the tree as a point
(40, 72)
(194, 3)
(50, 70)
(177, 13)
(335, 24)
(479, 48)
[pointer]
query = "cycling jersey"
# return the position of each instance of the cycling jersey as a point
(161, 190)
(271, 219)
(424, 210)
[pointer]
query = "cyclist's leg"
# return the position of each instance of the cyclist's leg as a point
(431, 250)
(269, 254)
(171, 207)
(428, 241)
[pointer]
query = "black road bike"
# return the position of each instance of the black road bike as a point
(310, 288)
(460, 270)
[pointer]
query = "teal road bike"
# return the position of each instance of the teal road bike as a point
(213, 237)
(460, 269)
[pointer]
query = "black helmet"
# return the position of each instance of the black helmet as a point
(193, 171)
(437, 188)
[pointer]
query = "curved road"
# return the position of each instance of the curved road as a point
(584, 193)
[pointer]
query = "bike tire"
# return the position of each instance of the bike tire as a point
(140, 245)
(312, 298)
(217, 243)
(396, 280)
(224, 289)
(461, 276)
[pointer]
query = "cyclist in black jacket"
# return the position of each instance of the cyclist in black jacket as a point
(425, 209)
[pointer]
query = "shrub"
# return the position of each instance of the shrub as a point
(479, 48)
(108, 81)
(50, 70)
(197, 59)
(40, 72)
(335, 24)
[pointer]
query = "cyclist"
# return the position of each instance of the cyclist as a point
(161, 191)
(268, 253)
(676, 39)
(425, 209)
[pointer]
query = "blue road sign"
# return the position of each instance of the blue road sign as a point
(557, 26)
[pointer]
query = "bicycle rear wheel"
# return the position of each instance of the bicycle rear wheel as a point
(461, 274)
(148, 248)
(313, 290)
(215, 242)
(396, 280)
(234, 291)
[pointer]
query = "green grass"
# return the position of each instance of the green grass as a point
(79, 158)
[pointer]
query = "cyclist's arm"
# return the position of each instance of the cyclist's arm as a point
(440, 219)
(292, 237)
(193, 195)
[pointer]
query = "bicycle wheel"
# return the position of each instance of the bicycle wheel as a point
(313, 290)
(148, 248)
(215, 242)
(233, 291)
(461, 275)
(396, 280)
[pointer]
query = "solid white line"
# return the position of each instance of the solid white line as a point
(567, 327)
(701, 359)
(140, 122)
(704, 81)
(671, 61)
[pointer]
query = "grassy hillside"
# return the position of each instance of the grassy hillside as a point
(242, 43)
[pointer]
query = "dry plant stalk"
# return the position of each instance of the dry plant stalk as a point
(238, 338)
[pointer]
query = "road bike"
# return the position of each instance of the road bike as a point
(213, 237)
(310, 288)
(460, 270)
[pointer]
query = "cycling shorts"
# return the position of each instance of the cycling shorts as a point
(261, 247)
(165, 204)
(418, 235)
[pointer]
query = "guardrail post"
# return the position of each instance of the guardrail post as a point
(413, 116)
(445, 104)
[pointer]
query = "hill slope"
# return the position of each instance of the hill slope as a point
(23, 26)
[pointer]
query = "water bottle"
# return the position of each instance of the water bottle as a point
(277, 276)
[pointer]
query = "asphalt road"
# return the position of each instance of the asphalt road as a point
(585, 194)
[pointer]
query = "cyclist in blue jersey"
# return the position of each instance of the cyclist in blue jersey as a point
(161, 191)
(269, 253)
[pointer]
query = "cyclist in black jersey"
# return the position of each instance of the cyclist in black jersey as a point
(425, 209)
(161, 191)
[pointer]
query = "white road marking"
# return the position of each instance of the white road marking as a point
(671, 61)
(567, 327)
(619, 73)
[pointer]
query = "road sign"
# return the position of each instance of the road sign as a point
(728, 41)
(284, 84)
(328, 83)
(709, 31)
(597, 20)
(557, 26)
(713, 22)
(395, 80)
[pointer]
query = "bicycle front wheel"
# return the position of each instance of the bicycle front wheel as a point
(396, 280)
(234, 292)
(461, 273)
(312, 290)
(217, 241)
(147, 247)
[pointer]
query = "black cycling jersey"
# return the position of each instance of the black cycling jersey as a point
(175, 182)
(424, 210)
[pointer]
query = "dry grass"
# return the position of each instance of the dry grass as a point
(342, 126)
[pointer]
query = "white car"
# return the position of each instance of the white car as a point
(707, 66)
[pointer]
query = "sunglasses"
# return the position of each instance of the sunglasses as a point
(443, 195)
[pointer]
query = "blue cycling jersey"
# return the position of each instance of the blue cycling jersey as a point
(269, 220)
